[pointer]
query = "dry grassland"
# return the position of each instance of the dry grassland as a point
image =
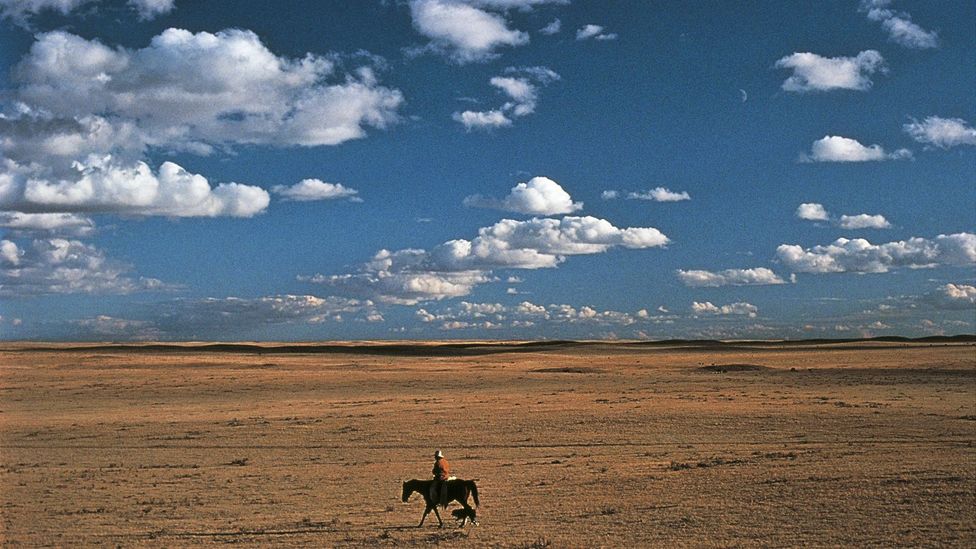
(625, 445)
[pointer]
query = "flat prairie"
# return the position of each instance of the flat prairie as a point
(572, 444)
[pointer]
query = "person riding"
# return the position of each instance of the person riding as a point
(441, 472)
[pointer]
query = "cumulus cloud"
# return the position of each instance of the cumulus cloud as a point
(659, 194)
(526, 314)
(812, 72)
(899, 25)
(738, 308)
(64, 266)
(812, 211)
(595, 32)
(833, 148)
(454, 268)
(9, 252)
(538, 196)
(60, 223)
(521, 87)
(315, 189)
(482, 119)
(31, 135)
(610, 195)
(942, 132)
(953, 296)
(757, 276)
(102, 184)
(860, 256)
(863, 221)
(191, 91)
(462, 31)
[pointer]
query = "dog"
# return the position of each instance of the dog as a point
(464, 515)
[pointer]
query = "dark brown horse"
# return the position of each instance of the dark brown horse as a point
(457, 490)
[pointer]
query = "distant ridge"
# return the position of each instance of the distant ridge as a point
(468, 348)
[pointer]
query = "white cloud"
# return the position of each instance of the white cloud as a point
(899, 25)
(454, 268)
(150, 9)
(204, 314)
(659, 194)
(942, 132)
(482, 119)
(812, 72)
(463, 32)
(538, 196)
(832, 148)
(525, 314)
(62, 223)
(863, 221)
(63, 266)
(19, 10)
(953, 296)
(105, 185)
(9, 252)
(552, 28)
(117, 328)
(527, 308)
(406, 288)
(860, 256)
(812, 211)
(739, 308)
(610, 195)
(187, 91)
(816, 212)
(315, 189)
(594, 31)
(522, 91)
(730, 277)
(522, 5)
(28, 135)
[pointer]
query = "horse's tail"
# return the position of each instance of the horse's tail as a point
(474, 493)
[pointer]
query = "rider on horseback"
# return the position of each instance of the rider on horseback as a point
(442, 473)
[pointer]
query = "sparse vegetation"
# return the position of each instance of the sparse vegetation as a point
(642, 455)
(539, 543)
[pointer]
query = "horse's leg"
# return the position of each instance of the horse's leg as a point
(438, 515)
(423, 518)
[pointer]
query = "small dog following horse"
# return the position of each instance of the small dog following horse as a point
(462, 516)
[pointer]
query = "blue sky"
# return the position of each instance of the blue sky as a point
(486, 169)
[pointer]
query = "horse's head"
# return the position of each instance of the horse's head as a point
(406, 491)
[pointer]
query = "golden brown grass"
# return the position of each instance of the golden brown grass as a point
(596, 445)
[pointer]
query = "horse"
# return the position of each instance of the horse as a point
(457, 490)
